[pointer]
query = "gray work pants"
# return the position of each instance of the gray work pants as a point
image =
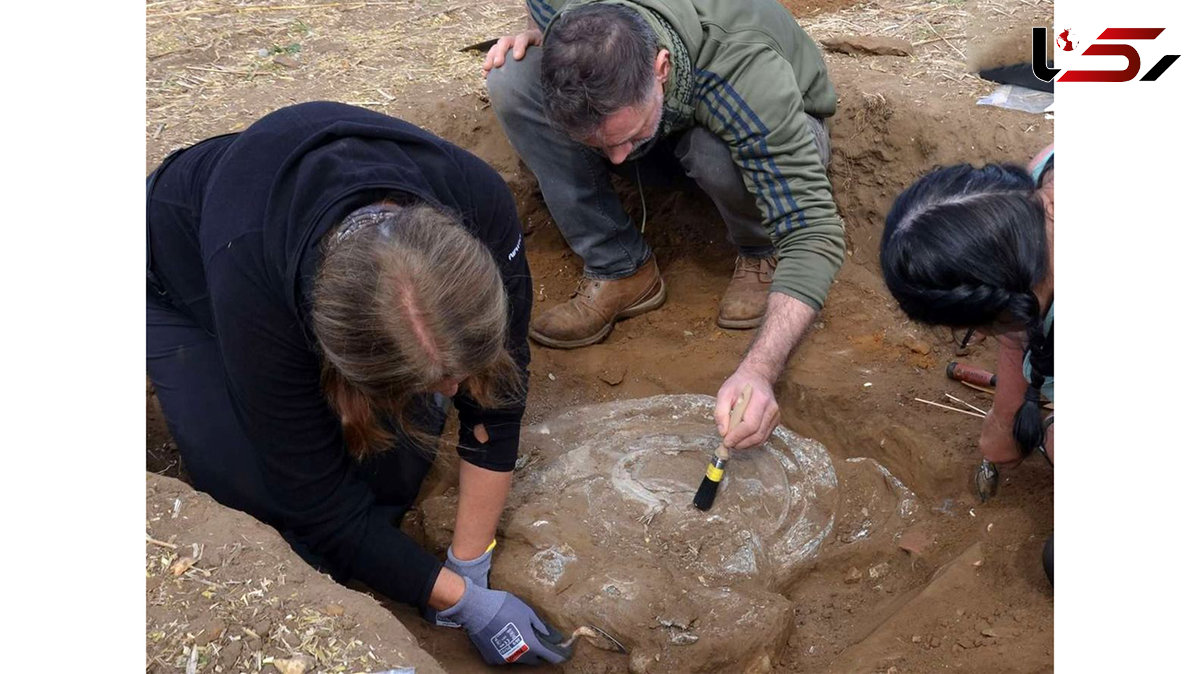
(576, 183)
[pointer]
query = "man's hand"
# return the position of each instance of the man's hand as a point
(761, 416)
(785, 323)
(518, 43)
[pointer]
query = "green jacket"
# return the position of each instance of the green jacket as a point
(749, 74)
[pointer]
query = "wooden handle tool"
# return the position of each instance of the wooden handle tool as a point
(707, 492)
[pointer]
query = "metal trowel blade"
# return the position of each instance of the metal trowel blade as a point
(987, 480)
(481, 46)
(598, 638)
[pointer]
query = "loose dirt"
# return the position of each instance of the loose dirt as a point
(973, 596)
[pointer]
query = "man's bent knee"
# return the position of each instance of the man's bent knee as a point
(707, 160)
(513, 83)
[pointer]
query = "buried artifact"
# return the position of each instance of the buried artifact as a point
(600, 531)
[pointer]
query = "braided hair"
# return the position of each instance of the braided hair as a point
(965, 247)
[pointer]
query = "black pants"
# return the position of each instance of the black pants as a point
(184, 363)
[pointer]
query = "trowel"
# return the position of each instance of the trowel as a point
(596, 637)
(986, 480)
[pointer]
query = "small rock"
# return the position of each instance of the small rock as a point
(935, 642)
(551, 376)
(916, 639)
(613, 376)
(965, 643)
(263, 52)
(335, 610)
(684, 638)
(210, 633)
(893, 670)
(915, 541)
(179, 567)
(853, 576)
(688, 333)
(1001, 632)
(297, 665)
(286, 61)
(868, 44)
(878, 570)
(918, 346)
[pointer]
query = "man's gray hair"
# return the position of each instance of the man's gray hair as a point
(598, 59)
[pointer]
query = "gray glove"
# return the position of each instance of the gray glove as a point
(476, 569)
(504, 629)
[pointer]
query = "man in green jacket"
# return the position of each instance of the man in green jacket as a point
(739, 95)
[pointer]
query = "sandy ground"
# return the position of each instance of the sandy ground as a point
(975, 599)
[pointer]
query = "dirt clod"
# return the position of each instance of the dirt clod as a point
(614, 375)
(915, 541)
(918, 346)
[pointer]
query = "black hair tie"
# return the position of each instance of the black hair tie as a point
(1033, 394)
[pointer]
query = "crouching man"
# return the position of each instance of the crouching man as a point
(739, 96)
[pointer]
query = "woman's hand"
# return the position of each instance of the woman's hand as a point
(996, 441)
(518, 43)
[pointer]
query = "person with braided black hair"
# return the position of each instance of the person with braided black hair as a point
(974, 248)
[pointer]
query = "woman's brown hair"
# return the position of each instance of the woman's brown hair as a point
(405, 297)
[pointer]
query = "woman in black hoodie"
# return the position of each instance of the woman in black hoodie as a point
(320, 287)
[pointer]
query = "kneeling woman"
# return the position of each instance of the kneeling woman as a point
(974, 247)
(320, 287)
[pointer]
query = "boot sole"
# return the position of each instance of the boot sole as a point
(649, 304)
(740, 324)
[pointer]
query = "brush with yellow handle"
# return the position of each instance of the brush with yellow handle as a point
(707, 492)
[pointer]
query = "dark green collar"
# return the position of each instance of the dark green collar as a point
(679, 91)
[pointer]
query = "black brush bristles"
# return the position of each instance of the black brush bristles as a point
(707, 492)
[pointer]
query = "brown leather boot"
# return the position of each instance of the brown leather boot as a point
(596, 305)
(745, 300)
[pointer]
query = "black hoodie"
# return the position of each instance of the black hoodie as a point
(239, 257)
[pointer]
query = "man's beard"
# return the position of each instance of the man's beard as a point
(658, 115)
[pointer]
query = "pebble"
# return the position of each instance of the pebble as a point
(853, 575)
(551, 376)
(613, 377)
(918, 346)
(878, 571)
(915, 541)
(935, 642)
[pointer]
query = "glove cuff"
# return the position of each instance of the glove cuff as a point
(466, 564)
(477, 607)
